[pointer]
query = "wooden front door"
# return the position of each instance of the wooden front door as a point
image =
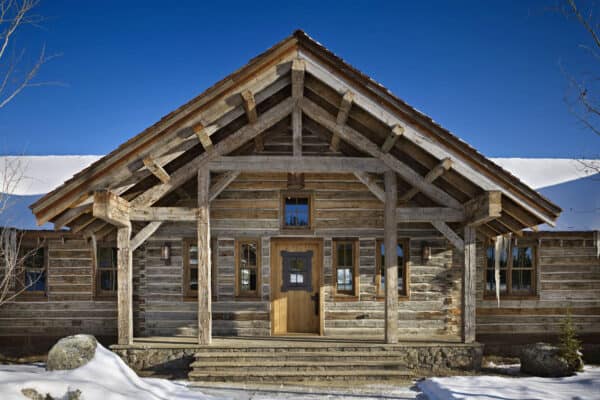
(296, 285)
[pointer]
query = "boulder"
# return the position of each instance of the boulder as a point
(543, 359)
(71, 352)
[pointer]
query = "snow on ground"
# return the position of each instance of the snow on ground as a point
(105, 377)
(585, 385)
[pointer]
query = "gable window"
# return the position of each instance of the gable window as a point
(345, 267)
(296, 211)
(517, 272)
(247, 268)
(106, 270)
(33, 281)
(402, 251)
(190, 268)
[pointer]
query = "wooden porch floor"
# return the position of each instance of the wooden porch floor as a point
(183, 342)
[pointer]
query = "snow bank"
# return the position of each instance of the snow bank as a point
(105, 377)
(41, 174)
(585, 385)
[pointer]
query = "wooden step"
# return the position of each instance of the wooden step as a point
(306, 365)
(299, 356)
(300, 376)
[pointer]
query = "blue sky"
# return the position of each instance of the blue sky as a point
(488, 71)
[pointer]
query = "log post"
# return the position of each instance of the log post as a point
(391, 257)
(124, 286)
(469, 285)
(204, 268)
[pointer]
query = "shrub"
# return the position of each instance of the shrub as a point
(570, 346)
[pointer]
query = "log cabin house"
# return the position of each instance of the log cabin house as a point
(299, 198)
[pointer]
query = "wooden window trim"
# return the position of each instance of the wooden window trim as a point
(355, 292)
(509, 294)
(297, 193)
(402, 294)
(98, 292)
(34, 294)
(188, 294)
(245, 294)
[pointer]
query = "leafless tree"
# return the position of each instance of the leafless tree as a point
(583, 96)
(15, 73)
(13, 257)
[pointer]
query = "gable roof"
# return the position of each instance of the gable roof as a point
(222, 100)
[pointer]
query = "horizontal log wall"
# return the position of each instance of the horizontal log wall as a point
(568, 279)
(432, 311)
(70, 305)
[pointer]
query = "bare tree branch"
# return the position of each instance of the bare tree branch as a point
(14, 14)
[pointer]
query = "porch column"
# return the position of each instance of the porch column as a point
(204, 294)
(124, 286)
(391, 257)
(469, 285)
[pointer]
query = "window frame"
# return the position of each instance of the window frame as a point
(99, 292)
(21, 285)
(298, 194)
(247, 294)
(185, 246)
(403, 294)
(355, 291)
(510, 293)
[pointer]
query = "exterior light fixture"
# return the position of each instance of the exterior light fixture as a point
(165, 253)
(425, 252)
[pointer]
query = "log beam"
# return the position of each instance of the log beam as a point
(297, 164)
(227, 145)
(342, 116)
(249, 103)
(392, 138)
(144, 234)
(222, 183)
(124, 286)
(298, 68)
(431, 176)
(204, 259)
(358, 140)
(391, 258)
(429, 214)
(156, 169)
(173, 214)
(111, 208)
(369, 182)
(469, 285)
(484, 208)
(203, 137)
(449, 234)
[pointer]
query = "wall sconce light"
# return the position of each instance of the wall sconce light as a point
(425, 252)
(165, 253)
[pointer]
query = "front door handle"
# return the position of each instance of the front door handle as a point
(315, 298)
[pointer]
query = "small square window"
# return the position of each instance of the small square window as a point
(34, 271)
(296, 211)
(106, 270)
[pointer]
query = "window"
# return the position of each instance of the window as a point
(297, 271)
(34, 270)
(106, 270)
(296, 211)
(402, 252)
(517, 272)
(190, 268)
(247, 268)
(345, 263)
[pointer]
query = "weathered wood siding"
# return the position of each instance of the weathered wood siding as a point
(432, 310)
(568, 279)
(70, 305)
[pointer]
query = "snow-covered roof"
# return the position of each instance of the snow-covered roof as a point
(564, 181)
